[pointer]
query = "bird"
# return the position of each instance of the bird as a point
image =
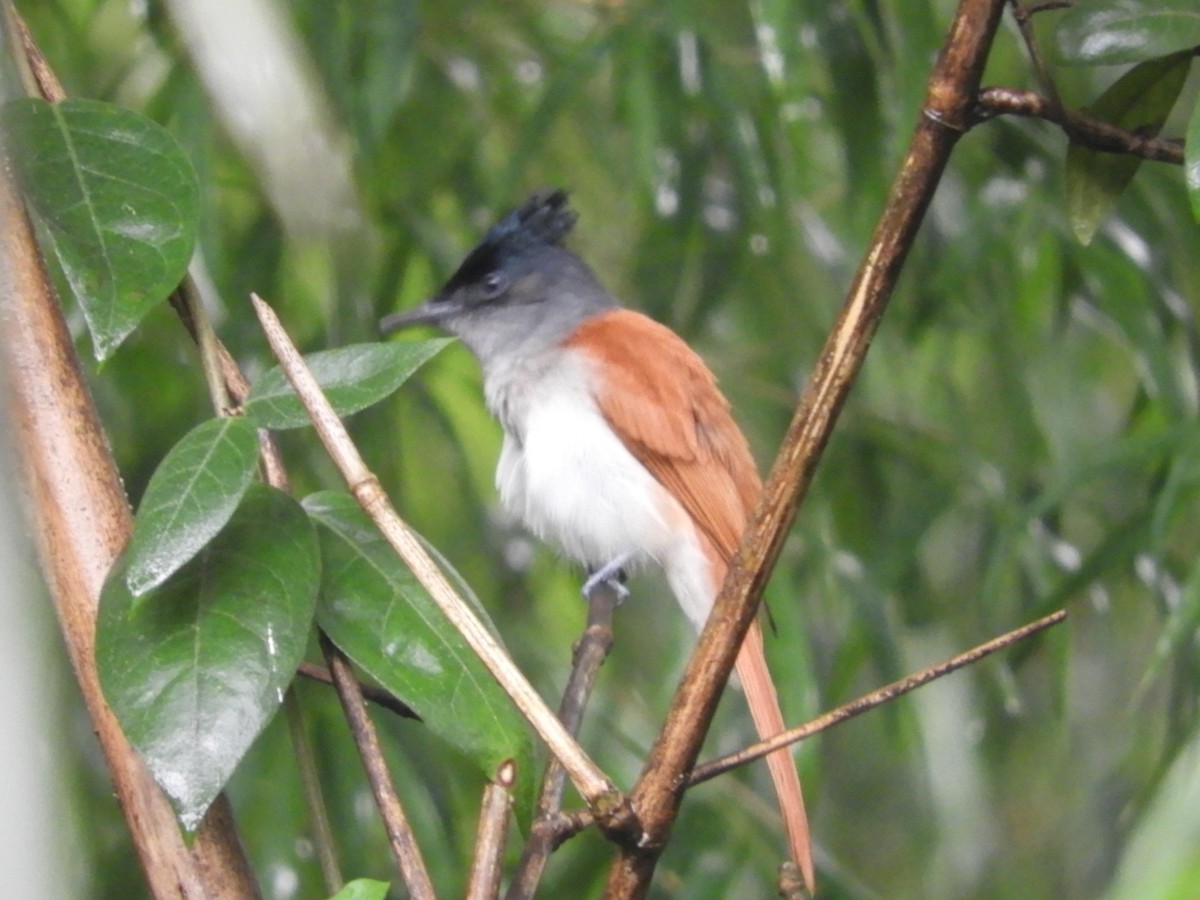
(619, 448)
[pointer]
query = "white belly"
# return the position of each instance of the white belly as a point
(567, 476)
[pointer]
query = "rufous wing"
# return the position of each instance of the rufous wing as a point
(663, 402)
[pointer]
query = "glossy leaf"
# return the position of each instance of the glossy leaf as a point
(374, 609)
(362, 889)
(194, 670)
(1139, 101)
(1127, 31)
(118, 201)
(353, 378)
(191, 496)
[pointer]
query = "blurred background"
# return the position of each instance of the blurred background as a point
(1023, 437)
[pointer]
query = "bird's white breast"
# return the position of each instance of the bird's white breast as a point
(566, 474)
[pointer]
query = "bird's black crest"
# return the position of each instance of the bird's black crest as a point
(542, 220)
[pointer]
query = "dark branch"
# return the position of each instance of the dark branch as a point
(945, 115)
(401, 839)
(1080, 127)
(550, 826)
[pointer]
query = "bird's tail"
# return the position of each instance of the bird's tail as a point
(768, 720)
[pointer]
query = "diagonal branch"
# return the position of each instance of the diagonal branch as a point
(592, 783)
(875, 698)
(80, 515)
(945, 116)
(400, 835)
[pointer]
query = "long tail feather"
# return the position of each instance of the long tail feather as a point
(768, 720)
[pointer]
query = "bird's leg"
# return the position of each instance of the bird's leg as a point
(613, 573)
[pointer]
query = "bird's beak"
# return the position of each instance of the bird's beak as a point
(431, 312)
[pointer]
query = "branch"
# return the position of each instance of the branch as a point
(951, 94)
(1080, 127)
(81, 519)
(592, 783)
(548, 830)
(400, 836)
(496, 811)
(869, 701)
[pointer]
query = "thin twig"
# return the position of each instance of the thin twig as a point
(590, 652)
(592, 783)
(1080, 127)
(869, 701)
(331, 870)
(495, 814)
(1023, 14)
(944, 117)
(400, 835)
(227, 388)
(566, 824)
(374, 694)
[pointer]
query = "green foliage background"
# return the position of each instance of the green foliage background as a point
(1024, 434)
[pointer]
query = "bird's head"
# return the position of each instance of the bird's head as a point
(519, 284)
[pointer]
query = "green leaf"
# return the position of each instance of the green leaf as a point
(376, 611)
(191, 496)
(352, 377)
(194, 670)
(1127, 31)
(119, 202)
(1191, 161)
(1140, 100)
(362, 889)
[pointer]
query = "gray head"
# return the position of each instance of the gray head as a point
(520, 290)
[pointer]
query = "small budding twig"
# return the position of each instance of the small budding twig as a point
(495, 814)
(592, 783)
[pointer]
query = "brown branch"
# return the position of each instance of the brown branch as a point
(81, 518)
(869, 701)
(547, 832)
(945, 116)
(565, 825)
(1080, 127)
(495, 814)
(400, 836)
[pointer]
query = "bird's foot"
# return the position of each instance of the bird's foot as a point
(612, 574)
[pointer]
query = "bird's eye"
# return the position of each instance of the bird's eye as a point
(494, 284)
